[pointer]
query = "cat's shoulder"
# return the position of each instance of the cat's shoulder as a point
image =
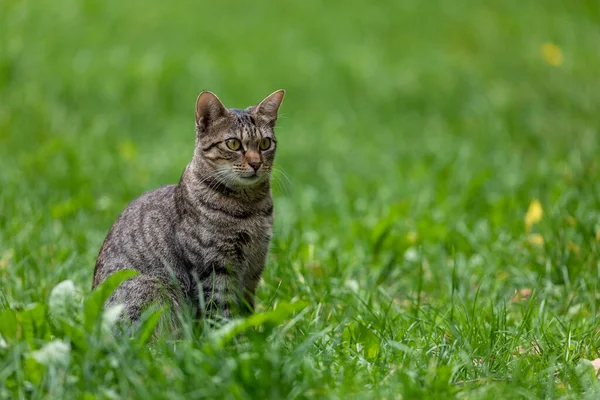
(154, 199)
(165, 191)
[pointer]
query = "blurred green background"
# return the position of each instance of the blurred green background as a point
(413, 137)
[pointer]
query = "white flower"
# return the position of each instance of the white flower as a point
(56, 352)
(110, 317)
(63, 299)
(411, 254)
(352, 284)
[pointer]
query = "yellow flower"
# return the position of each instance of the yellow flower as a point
(502, 275)
(534, 214)
(573, 247)
(127, 150)
(535, 239)
(552, 54)
(6, 257)
(412, 237)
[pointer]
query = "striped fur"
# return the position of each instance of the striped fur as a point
(204, 241)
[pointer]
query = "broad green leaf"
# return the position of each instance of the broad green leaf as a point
(34, 370)
(33, 323)
(95, 302)
(75, 334)
(372, 348)
(8, 325)
(235, 327)
(147, 328)
(348, 333)
(357, 333)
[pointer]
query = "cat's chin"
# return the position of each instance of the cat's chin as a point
(249, 180)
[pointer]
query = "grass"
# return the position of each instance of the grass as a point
(414, 138)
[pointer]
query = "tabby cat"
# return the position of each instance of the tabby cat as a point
(202, 242)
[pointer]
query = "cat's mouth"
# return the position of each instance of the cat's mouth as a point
(250, 178)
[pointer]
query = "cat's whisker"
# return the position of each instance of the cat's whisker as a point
(217, 177)
(278, 178)
(280, 170)
(212, 176)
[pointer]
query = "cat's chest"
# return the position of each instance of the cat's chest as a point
(247, 247)
(241, 244)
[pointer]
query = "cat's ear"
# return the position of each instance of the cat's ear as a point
(269, 107)
(209, 109)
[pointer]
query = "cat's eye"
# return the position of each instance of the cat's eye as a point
(265, 143)
(233, 144)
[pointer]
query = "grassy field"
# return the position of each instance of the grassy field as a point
(437, 222)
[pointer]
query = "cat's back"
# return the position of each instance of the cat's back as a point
(154, 203)
(142, 236)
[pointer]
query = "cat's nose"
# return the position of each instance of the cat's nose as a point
(255, 165)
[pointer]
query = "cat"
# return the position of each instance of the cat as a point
(204, 241)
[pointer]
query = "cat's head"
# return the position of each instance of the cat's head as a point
(236, 147)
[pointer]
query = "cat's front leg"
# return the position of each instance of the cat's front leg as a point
(249, 295)
(219, 292)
